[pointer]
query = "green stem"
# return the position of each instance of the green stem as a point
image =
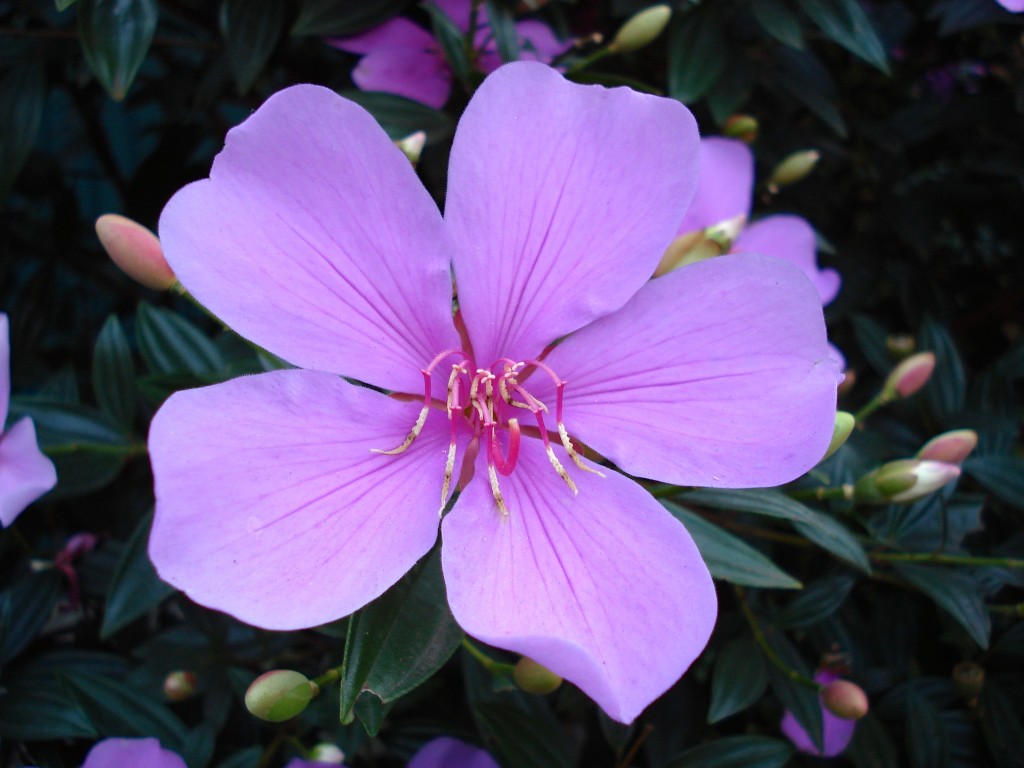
(943, 559)
(493, 666)
(133, 449)
(871, 406)
(330, 677)
(822, 493)
(580, 64)
(762, 641)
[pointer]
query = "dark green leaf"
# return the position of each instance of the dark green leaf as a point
(740, 678)
(251, 29)
(524, 740)
(135, 588)
(370, 710)
(871, 337)
(696, 54)
(846, 22)
(779, 21)
(117, 710)
(398, 640)
(956, 593)
(834, 537)
(801, 700)
(343, 17)
(817, 601)
(736, 752)
(871, 746)
(63, 5)
(730, 91)
(1000, 726)
(806, 80)
(399, 116)
(503, 26)
(1003, 475)
(730, 558)
(172, 345)
(24, 610)
(247, 758)
(115, 36)
(113, 375)
(927, 741)
(946, 390)
(452, 43)
(22, 98)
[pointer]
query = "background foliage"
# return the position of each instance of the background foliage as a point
(917, 108)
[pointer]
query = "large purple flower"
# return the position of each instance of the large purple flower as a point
(136, 753)
(401, 57)
(314, 239)
(25, 473)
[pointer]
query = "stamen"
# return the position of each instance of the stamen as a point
(505, 465)
(567, 444)
(551, 455)
(421, 419)
(495, 490)
(449, 468)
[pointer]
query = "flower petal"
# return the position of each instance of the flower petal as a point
(314, 238)
(717, 374)
(726, 185)
(270, 505)
(137, 753)
(422, 76)
(538, 42)
(790, 238)
(446, 752)
(394, 33)
(837, 734)
(605, 589)
(5, 369)
(25, 472)
(561, 200)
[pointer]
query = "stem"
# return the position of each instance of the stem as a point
(844, 491)
(493, 666)
(871, 406)
(628, 757)
(133, 449)
(329, 677)
(580, 64)
(762, 640)
(1011, 610)
(943, 559)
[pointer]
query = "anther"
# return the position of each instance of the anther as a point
(496, 491)
(417, 428)
(567, 444)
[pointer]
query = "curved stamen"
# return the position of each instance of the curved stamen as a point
(505, 465)
(420, 420)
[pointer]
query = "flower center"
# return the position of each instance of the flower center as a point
(490, 398)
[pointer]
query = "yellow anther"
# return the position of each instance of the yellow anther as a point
(567, 444)
(492, 474)
(561, 470)
(417, 428)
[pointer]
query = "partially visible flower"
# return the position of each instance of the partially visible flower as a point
(446, 752)
(1013, 6)
(136, 753)
(836, 731)
(401, 57)
(25, 473)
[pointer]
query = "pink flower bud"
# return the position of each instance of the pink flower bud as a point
(279, 695)
(909, 376)
(180, 685)
(845, 699)
(533, 678)
(742, 127)
(950, 447)
(135, 250)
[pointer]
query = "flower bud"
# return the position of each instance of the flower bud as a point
(412, 146)
(327, 753)
(845, 699)
(950, 447)
(533, 678)
(279, 695)
(968, 679)
(742, 127)
(900, 345)
(904, 480)
(135, 250)
(909, 376)
(641, 29)
(793, 168)
(724, 233)
(180, 685)
(687, 249)
(840, 432)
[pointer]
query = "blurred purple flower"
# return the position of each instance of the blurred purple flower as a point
(401, 57)
(836, 732)
(273, 500)
(1014, 6)
(446, 752)
(25, 473)
(137, 753)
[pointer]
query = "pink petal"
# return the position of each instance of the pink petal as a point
(422, 76)
(790, 238)
(446, 752)
(395, 33)
(561, 200)
(605, 589)
(726, 184)
(314, 239)
(717, 374)
(270, 505)
(25, 473)
(137, 753)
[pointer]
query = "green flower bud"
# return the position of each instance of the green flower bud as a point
(840, 432)
(135, 250)
(950, 447)
(793, 168)
(641, 29)
(904, 481)
(724, 233)
(412, 146)
(845, 699)
(533, 678)
(687, 249)
(742, 127)
(180, 685)
(909, 376)
(279, 695)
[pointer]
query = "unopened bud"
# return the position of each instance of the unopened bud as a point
(793, 168)
(412, 146)
(909, 376)
(534, 678)
(327, 753)
(279, 695)
(724, 233)
(641, 29)
(180, 685)
(845, 699)
(900, 344)
(968, 679)
(840, 432)
(742, 127)
(135, 250)
(687, 249)
(904, 481)
(950, 447)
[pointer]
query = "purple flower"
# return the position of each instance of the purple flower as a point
(25, 473)
(401, 57)
(726, 191)
(1014, 6)
(836, 732)
(314, 239)
(446, 752)
(137, 753)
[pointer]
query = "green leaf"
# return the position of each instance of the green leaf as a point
(817, 601)
(730, 91)
(503, 24)
(247, 758)
(955, 592)
(871, 746)
(399, 640)
(946, 390)
(251, 30)
(802, 701)
(343, 17)
(198, 748)
(22, 99)
(728, 557)
(696, 54)
(739, 679)
(113, 375)
(834, 537)
(736, 752)
(115, 36)
(1003, 475)
(871, 337)
(452, 43)
(779, 21)
(170, 344)
(524, 740)
(24, 610)
(804, 78)
(399, 116)
(927, 740)
(63, 5)
(117, 710)
(134, 588)
(846, 22)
